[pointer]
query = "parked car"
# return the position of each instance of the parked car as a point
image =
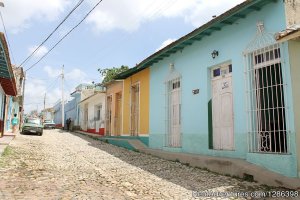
(49, 124)
(32, 125)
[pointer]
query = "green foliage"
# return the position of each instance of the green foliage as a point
(110, 73)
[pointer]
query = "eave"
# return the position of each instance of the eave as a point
(228, 18)
(7, 78)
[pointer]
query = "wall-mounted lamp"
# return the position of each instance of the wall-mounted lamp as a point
(214, 54)
(171, 67)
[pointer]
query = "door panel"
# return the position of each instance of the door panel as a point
(175, 114)
(222, 107)
(108, 115)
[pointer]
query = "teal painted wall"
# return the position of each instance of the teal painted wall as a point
(194, 63)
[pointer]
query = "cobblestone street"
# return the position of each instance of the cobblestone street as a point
(62, 165)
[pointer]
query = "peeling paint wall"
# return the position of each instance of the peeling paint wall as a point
(292, 10)
(294, 52)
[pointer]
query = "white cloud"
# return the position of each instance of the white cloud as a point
(20, 14)
(114, 14)
(52, 72)
(40, 52)
(204, 10)
(35, 92)
(129, 15)
(37, 88)
(165, 43)
(76, 74)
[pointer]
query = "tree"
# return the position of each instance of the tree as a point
(110, 73)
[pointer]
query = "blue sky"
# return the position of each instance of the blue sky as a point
(118, 32)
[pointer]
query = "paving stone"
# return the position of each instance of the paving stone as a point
(72, 166)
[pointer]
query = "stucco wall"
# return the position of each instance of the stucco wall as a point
(294, 50)
(142, 78)
(292, 8)
(194, 64)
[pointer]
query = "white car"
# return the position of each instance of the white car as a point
(49, 124)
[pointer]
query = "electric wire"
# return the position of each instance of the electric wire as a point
(5, 32)
(64, 36)
(68, 15)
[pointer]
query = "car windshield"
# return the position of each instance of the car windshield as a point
(48, 121)
(33, 121)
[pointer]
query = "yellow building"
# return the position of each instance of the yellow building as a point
(135, 102)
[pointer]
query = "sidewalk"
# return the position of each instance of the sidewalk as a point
(226, 166)
(5, 141)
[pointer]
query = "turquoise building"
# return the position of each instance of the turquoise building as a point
(226, 90)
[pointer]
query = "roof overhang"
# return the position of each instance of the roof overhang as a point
(228, 18)
(7, 78)
(289, 34)
(86, 99)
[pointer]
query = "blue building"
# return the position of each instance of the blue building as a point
(226, 89)
(72, 108)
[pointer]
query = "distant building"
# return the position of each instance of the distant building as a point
(72, 108)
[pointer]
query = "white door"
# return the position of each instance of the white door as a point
(222, 111)
(175, 114)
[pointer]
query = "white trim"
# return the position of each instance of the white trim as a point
(267, 105)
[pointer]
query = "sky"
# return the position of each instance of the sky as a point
(117, 32)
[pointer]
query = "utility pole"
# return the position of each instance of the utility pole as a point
(23, 97)
(62, 99)
(45, 101)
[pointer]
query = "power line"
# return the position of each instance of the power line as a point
(7, 38)
(75, 7)
(65, 36)
(53, 83)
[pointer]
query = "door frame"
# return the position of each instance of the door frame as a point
(108, 119)
(139, 107)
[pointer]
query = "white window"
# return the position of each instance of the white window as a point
(266, 108)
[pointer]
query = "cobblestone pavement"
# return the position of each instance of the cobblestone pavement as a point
(62, 165)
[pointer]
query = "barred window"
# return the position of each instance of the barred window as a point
(266, 107)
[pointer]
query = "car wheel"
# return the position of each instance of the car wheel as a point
(40, 134)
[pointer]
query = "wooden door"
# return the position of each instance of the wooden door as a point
(135, 109)
(222, 110)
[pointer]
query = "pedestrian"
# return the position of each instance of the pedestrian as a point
(15, 122)
(68, 123)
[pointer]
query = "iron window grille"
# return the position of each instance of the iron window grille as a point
(268, 130)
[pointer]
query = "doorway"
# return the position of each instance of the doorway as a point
(222, 107)
(108, 119)
(135, 109)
